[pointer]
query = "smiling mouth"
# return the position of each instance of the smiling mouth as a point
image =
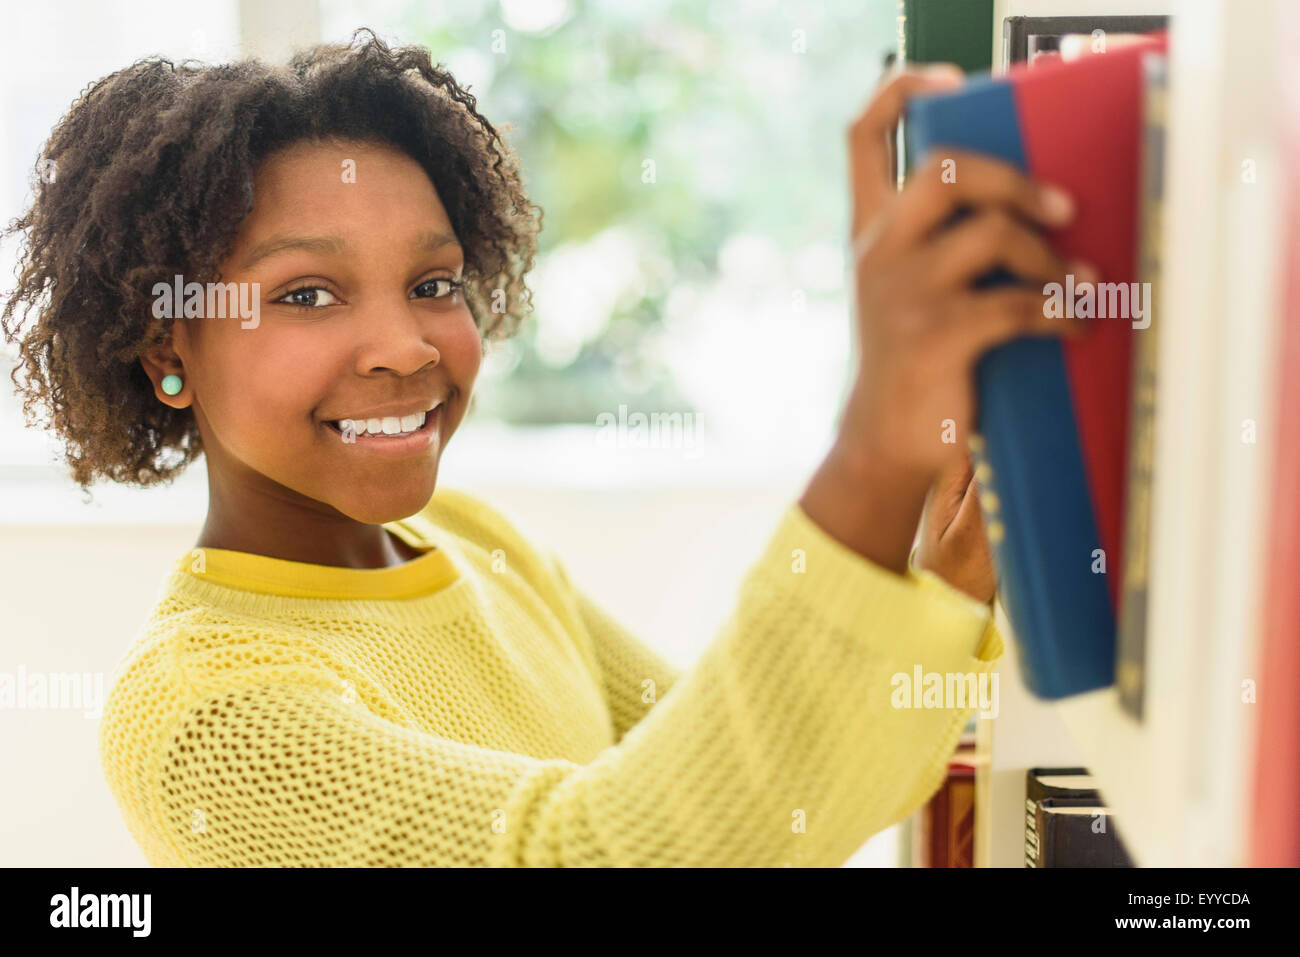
(360, 430)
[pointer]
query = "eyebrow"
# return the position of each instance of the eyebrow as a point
(430, 241)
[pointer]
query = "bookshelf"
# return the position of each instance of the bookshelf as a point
(1180, 780)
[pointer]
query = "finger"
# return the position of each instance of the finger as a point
(870, 142)
(953, 479)
(952, 179)
(993, 237)
(954, 485)
(992, 317)
(968, 516)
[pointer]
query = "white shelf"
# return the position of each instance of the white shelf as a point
(1180, 780)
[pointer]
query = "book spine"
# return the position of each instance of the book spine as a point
(906, 51)
(1130, 668)
(1031, 833)
(961, 821)
(1059, 652)
(1087, 839)
(1006, 559)
(906, 31)
(1044, 831)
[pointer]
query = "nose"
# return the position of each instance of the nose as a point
(396, 338)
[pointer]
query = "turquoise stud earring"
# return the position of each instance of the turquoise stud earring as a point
(171, 384)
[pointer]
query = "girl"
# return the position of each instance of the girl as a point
(351, 668)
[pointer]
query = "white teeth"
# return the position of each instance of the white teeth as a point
(388, 425)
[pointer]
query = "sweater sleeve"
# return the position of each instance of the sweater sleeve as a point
(781, 746)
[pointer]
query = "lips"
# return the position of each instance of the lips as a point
(396, 443)
(388, 425)
(390, 419)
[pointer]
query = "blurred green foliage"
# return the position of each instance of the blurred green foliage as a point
(742, 107)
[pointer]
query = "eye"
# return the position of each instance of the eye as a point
(427, 289)
(308, 297)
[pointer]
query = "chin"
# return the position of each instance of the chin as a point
(390, 507)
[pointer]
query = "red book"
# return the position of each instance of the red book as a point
(948, 820)
(1275, 841)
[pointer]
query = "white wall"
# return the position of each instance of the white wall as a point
(71, 602)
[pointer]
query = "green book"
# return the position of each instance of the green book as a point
(945, 31)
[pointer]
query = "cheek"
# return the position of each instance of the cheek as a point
(270, 379)
(462, 353)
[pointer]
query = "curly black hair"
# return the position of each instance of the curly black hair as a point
(150, 174)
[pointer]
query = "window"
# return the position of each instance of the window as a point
(689, 157)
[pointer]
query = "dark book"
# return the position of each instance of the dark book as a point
(1044, 783)
(1130, 665)
(1075, 833)
(1067, 784)
(1023, 38)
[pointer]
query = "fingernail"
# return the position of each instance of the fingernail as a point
(1057, 204)
(945, 71)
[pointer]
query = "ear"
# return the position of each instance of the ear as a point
(161, 360)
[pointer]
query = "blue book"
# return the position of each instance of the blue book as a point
(1052, 422)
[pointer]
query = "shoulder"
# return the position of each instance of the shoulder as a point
(187, 655)
(187, 650)
(478, 522)
(502, 543)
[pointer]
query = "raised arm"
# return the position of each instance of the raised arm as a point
(780, 746)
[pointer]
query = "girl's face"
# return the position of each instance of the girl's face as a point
(360, 319)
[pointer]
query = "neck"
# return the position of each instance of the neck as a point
(291, 528)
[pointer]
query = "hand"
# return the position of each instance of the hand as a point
(953, 544)
(921, 325)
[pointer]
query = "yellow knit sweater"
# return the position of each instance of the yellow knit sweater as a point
(472, 707)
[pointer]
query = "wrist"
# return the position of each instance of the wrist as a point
(864, 501)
